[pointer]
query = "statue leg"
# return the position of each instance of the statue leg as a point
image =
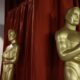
(71, 73)
(4, 73)
(10, 74)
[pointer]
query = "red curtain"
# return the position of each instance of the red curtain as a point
(36, 23)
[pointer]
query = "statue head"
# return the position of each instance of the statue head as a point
(73, 16)
(11, 34)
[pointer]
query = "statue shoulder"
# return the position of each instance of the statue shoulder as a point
(62, 33)
(9, 47)
(16, 46)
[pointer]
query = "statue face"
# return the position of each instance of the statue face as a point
(75, 17)
(11, 35)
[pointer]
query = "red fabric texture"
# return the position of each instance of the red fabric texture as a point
(35, 23)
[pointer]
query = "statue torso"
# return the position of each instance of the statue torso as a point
(10, 51)
(69, 39)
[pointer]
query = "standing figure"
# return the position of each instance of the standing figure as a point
(68, 44)
(10, 56)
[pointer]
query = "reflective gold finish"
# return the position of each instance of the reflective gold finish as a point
(10, 56)
(68, 44)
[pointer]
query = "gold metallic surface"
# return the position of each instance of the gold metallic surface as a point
(68, 44)
(10, 56)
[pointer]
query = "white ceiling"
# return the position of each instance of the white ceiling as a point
(2, 11)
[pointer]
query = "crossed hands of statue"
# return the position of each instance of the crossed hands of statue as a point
(6, 59)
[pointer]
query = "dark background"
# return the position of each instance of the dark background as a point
(10, 4)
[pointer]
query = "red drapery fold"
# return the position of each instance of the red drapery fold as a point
(19, 19)
(36, 23)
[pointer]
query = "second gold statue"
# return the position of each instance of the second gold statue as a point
(68, 44)
(10, 56)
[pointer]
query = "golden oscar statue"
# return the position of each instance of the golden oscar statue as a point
(68, 44)
(10, 56)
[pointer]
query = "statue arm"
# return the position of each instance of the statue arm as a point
(71, 53)
(6, 57)
(13, 59)
(67, 54)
